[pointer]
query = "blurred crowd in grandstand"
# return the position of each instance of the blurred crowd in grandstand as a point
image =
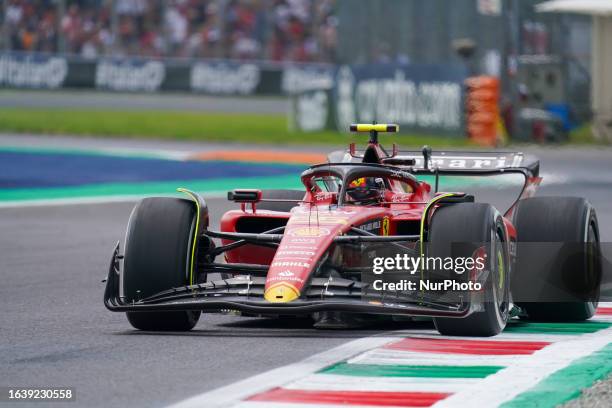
(277, 30)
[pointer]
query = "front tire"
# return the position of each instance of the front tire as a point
(480, 224)
(157, 258)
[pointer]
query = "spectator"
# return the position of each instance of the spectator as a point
(177, 26)
(280, 30)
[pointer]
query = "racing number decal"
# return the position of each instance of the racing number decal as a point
(385, 226)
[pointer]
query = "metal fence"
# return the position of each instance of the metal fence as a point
(549, 54)
(412, 30)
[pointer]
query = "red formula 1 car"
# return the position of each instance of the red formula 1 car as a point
(313, 252)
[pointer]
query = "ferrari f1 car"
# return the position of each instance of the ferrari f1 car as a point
(311, 252)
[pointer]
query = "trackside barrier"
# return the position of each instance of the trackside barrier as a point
(483, 123)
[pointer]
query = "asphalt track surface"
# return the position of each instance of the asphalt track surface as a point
(133, 101)
(54, 330)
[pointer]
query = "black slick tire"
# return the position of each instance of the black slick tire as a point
(157, 258)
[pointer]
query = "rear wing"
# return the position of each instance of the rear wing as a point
(455, 162)
(473, 161)
(462, 161)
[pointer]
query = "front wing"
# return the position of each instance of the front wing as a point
(244, 293)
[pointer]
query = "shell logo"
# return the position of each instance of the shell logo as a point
(282, 292)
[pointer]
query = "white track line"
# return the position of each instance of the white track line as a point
(94, 200)
(504, 336)
(332, 382)
(234, 393)
(69, 201)
(526, 373)
(120, 152)
(398, 357)
(266, 404)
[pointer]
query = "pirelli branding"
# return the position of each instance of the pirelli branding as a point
(296, 264)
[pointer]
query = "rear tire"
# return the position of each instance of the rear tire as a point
(157, 258)
(280, 195)
(475, 223)
(569, 220)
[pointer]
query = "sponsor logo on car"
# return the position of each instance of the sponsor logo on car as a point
(315, 218)
(293, 258)
(291, 263)
(303, 240)
(285, 279)
(286, 274)
(297, 248)
(309, 232)
(324, 196)
(472, 162)
(371, 226)
(400, 174)
(322, 211)
(401, 197)
(283, 252)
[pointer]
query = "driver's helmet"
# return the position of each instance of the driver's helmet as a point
(365, 190)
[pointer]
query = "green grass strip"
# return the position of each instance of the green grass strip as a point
(556, 328)
(567, 383)
(373, 370)
(203, 126)
(146, 188)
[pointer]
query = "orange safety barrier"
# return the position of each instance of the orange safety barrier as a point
(262, 156)
(482, 110)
